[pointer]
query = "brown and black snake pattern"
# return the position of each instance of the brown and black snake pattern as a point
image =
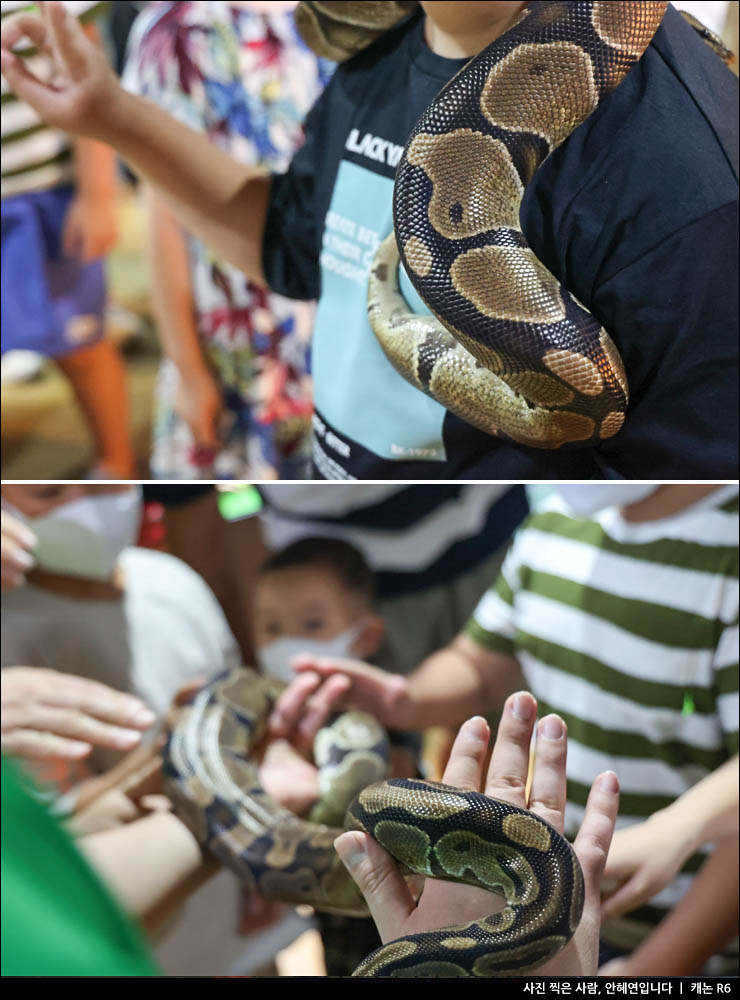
(512, 352)
(433, 830)
(508, 349)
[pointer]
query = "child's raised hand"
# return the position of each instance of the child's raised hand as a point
(82, 97)
(326, 684)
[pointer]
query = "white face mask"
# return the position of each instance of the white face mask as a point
(85, 537)
(586, 499)
(275, 658)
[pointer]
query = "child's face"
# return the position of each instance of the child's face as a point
(305, 603)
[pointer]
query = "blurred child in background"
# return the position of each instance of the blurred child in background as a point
(234, 395)
(58, 223)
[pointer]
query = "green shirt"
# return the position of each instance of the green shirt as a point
(629, 632)
(57, 917)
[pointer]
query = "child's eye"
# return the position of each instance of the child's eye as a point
(313, 624)
(272, 629)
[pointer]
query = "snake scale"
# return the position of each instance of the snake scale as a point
(508, 349)
(431, 829)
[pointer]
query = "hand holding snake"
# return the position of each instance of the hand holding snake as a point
(442, 903)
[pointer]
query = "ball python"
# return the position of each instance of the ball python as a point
(431, 829)
(508, 348)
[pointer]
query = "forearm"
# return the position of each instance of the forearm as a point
(700, 925)
(95, 163)
(219, 200)
(172, 293)
(95, 169)
(145, 861)
(709, 810)
(457, 682)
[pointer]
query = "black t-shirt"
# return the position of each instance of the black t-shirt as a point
(636, 214)
(175, 496)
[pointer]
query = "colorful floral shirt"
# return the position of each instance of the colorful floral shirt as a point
(243, 76)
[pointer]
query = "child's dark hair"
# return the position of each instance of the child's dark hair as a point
(344, 559)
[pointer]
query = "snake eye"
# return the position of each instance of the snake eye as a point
(456, 212)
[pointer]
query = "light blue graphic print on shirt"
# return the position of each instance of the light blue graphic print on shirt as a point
(356, 389)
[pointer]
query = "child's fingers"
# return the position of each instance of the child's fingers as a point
(318, 710)
(92, 697)
(507, 773)
(547, 795)
(465, 766)
(25, 85)
(23, 26)
(70, 723)
(625, 898)
(32, 743)
(289, 706)
(379, 880)
(68, 39)
(595, 835)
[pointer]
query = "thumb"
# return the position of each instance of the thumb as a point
(379, 881)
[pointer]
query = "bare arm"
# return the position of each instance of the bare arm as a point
(216, 198)
(460, 680)
(713, 804)
(697, 928)
(145, 861)
(172, 291)
(95, 163)
(199, 400)
(221, 201)
(645, 858)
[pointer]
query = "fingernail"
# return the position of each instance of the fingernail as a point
(126, 738)
(478, 727)
(522, 707)
(609, 783)
(144, 716)
(553, 728)
(24, 559)
(350, 850)
(79, 749)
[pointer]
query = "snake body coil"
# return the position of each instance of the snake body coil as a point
(508, 348)
(431, 829)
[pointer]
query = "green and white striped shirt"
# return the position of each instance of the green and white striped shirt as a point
(630, 633)
(34, 156)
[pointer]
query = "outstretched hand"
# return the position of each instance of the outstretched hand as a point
(324, 685)
(389, 898)
(48, 714)
(82, 95)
